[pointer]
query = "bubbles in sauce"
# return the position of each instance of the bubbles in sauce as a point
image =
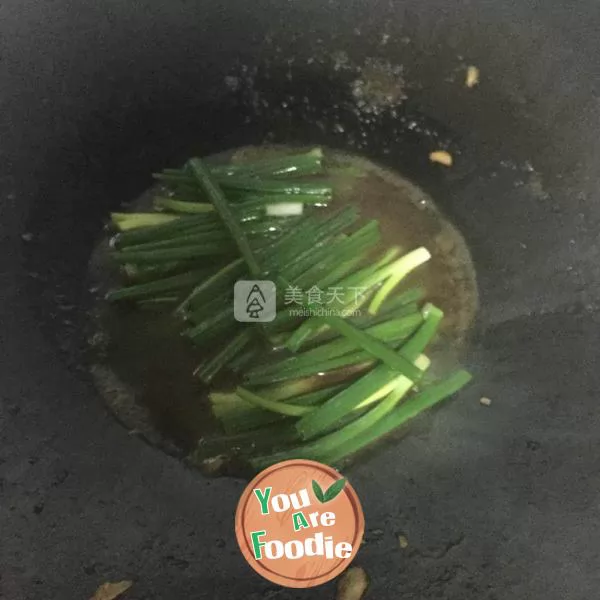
(144, 369)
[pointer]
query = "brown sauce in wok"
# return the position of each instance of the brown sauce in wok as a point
(143, 368)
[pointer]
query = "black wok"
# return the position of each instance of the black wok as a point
(497, 503)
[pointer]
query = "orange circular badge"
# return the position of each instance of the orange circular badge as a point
(299, 523)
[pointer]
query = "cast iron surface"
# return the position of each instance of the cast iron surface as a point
(496, 502)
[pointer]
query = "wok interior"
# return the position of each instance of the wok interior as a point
(119, 94)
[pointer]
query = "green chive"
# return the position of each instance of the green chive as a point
(210, 369)
(329, 443)
(334, 409)
(408, 263)
(290, 410)
(217, 197)
(398, 417)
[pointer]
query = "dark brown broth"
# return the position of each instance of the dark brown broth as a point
(143, 367)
